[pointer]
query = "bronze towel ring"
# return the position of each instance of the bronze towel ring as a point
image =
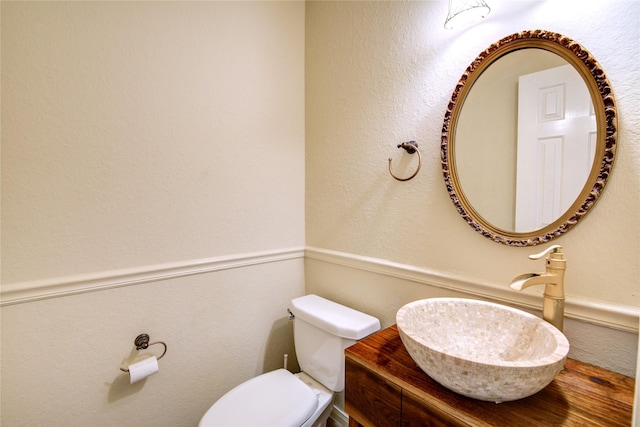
(411, 147)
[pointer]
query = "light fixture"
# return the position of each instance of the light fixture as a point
(463, 12)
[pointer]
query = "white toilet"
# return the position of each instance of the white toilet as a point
(322, 330)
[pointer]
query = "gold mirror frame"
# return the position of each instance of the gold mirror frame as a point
(606, 119)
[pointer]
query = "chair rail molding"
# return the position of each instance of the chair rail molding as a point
(16, 293)
(624, 318)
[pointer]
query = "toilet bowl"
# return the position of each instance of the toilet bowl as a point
(322, 330)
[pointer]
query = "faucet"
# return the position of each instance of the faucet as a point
(553, 279)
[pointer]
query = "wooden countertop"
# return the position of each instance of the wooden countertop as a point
(581, 395)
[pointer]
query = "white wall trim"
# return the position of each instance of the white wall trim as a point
(623, 318)
(16, 293)
(339, 417)
(619, 317)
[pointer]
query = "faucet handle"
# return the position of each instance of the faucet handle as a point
(553, 248)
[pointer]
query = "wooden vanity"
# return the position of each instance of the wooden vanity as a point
(385, 387)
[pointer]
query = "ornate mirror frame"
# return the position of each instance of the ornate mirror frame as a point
(606, 119)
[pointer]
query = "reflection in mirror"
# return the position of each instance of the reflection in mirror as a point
(526, 153)
(526, 97)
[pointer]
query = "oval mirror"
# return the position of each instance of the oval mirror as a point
(529, 138)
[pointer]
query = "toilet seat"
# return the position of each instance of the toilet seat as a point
(277, 398)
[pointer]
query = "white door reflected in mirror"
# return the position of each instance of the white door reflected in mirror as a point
(556, 144)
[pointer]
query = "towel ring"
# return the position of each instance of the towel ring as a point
(411, 147)
(142, 342)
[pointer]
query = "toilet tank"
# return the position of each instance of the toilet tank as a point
(322, 330)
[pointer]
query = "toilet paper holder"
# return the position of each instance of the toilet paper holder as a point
(142, 342)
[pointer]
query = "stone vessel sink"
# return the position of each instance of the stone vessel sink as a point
(482, 350)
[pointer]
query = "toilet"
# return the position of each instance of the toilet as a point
(322, 330)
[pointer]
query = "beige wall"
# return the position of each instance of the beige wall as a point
(379, 73)
(153, 152)
(139, 133)
(61, 356)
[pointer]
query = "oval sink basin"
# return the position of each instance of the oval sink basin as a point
(482, 350)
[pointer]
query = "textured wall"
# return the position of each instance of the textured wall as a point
(137, 135)
(61, 356)
(379, 73)
(141, 133)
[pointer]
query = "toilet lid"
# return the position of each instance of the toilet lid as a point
(277, 398)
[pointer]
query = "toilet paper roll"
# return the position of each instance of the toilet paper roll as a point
(142, 369)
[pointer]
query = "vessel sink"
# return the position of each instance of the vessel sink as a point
(480, 349)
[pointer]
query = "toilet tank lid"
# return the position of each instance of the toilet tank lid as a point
(334, 318)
